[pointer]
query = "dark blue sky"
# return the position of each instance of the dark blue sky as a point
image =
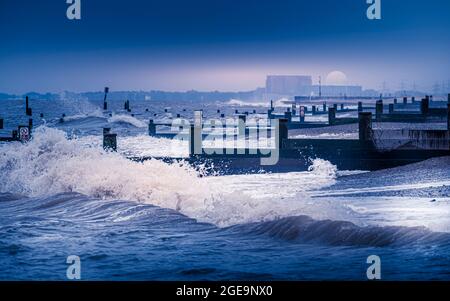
(218, 44)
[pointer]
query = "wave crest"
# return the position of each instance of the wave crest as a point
(50, 164)
(304, 229)
(127, 119)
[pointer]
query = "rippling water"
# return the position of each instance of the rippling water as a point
(62, 195)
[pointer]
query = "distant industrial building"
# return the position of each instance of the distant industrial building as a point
(301, 85)
(287, 84)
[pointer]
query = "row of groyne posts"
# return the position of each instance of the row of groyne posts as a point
(424, 139)
(23, 132)
(396, 112)
(285, 121)
(280, 123)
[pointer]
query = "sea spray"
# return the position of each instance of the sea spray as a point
(78, 104)
(52, 164)
(127, 119)
(282, 102)
(323, 167)
(94, 114)
(241, 103)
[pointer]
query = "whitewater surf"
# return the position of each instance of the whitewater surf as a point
(61, 193)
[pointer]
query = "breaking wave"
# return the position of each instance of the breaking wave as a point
(127, 119)
(59, 169)
(304, 229)
(241, 103)
(282, 103)
(50, 164)
(77, 117)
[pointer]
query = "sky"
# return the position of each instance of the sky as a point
(178, 45)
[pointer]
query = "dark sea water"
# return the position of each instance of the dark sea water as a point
(62, 195)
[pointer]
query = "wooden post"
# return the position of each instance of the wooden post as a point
(405, 100)
(28, 110)
(30, 123)
(378, 109)
(365, 126)
(360, 107)
(282, 132)
(241, 125)
(424, 106)
(195, 141)
(313, 110)
(151, 128)
(391, 108)
(448, 116)
(195, 133)
(331, 116)
(324, 106)
(302, 113)
(110, 142)
(105, 104)
(288, 115)
(395, 100)
(335, 106)
(1, 123)
(127, 106)
(413, 99)
(342, 106)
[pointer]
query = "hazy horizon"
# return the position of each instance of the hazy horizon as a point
(219, 45)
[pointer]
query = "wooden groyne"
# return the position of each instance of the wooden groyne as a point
(375, 149)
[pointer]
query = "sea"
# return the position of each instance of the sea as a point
(62, 195)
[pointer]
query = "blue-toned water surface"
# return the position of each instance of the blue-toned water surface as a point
(62, 195)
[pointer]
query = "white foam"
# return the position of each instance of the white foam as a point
(241, 103)
(339, 136)
(80, 105)
(122, 118)
(52, 164)
(96, 113)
